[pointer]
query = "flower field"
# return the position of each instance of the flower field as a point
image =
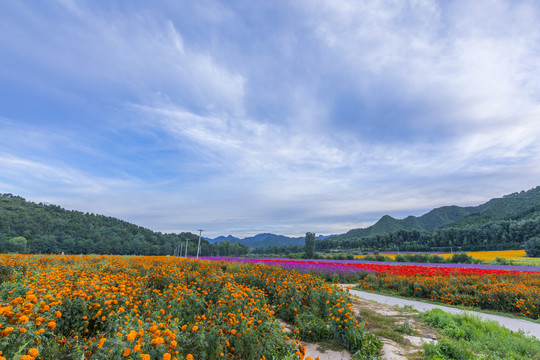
(479, 255)
(507, 291)
(492, 287)
(112, 307)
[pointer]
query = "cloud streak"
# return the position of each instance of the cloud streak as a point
(312, 116)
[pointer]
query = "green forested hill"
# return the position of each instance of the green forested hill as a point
(502, 222)
(513, 206)
(39, 228)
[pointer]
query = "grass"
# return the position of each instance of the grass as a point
(469, 337)
(388, 327)
(461, 307)
(518, 262)
(460, 336)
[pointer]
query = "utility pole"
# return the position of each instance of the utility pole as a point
(199, 247)
(186, 245)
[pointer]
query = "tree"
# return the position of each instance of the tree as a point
(17, 245)
(310, 245)
(532, 247)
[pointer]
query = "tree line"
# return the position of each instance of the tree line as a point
(27, 227)
(495, 235)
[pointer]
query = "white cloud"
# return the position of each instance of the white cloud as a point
(262, 128)
(111, 54)
(473, 67)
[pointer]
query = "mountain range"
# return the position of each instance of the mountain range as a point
(516, 206)
(48, 228)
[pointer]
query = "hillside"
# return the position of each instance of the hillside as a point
(514, 206)
(49, 229)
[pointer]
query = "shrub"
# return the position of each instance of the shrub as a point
(461, 258)
(435, 259)
(313, 328)
(400, 258)
(446, 350)
(532, 247)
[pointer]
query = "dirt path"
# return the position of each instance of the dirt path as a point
(528, 327)
(404, 347)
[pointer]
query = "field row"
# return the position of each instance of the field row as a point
(109, 307)
(500, 288)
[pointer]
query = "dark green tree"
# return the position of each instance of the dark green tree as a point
(310, 245)
(532, 247)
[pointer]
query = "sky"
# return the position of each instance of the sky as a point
(243, 117)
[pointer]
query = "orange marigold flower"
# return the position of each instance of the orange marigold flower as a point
(166, 356)
(58, 314)
(189, 357)
(194, 328)
(132, 335)
(51, 325)
(145, 357)
(126, 352)
(6, 331)
(33, 352)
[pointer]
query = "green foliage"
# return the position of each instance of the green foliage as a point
(470, 335)
(310, 245)
(27, 227)
(6, 272)
(532, 247)
(461, 258)
(446, 350)
(16, 245)
(313, 328)
(499, 224)
(502, 261)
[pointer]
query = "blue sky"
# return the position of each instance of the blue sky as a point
(242, 117)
